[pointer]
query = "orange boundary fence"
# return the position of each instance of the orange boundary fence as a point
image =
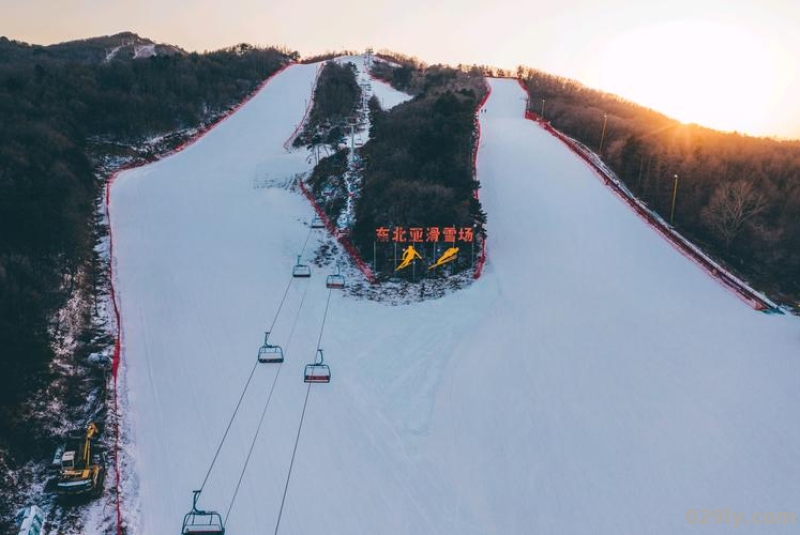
(117, 315)
(729, 281)
(482, 256)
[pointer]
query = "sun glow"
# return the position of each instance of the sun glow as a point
(719, 75)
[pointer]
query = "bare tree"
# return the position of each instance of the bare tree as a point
(733, 206)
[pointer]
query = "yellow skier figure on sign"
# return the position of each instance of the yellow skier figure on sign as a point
(409, 255)
(448, 256)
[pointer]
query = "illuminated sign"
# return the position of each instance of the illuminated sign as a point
(409, 255)
(427, 248)
(449, 255)
(428, 234)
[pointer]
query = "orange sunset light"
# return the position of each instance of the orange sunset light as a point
(716, 74)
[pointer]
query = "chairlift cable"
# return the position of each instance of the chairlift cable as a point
(291, 463)
(300, 427)
(280, 306)
(264, 411)
(241, 397)
(310, 231)
(249, 379)
(266, 406)
(230, 423)
(324, 318)
(252, 445)
(289, 285)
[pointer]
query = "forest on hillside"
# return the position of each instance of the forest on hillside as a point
(737, 196)
(336, 99)
(336, 110)
(416, 169)
(64, 116)
(418, 162)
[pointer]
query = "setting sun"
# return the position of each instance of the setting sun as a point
(719, 75)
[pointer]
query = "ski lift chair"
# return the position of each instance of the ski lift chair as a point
(269, 352)
(318, 372)
(335, 281)
(301, 270)
(316, 222)
(198, 522)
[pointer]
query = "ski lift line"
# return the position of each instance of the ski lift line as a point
(249, 379)
(291, 463)
(266, 406)
(289, 285)
(228, 428)
(280, 306)
(302, 418)
(253, 443)
(310, 230)
(324, 318)
(297, 316)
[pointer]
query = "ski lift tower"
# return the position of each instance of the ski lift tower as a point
(352, 123)
(368, 56)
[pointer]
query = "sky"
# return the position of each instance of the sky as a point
(726, 64)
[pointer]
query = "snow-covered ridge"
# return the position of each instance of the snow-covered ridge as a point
(135, 47)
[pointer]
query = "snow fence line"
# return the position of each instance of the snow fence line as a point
(482, 257)
(376, 79)
(340, 236)
(117, 315)
(287, 145)
(728, 280)
(117, 348)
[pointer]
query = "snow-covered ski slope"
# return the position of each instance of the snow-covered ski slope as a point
(592, 381)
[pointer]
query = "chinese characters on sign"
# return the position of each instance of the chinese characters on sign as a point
(441, 246)
(428, 234)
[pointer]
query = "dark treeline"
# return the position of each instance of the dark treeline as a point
(418, 160)
(328, 185)
(325, 56)
(412, 64)
(414, 77)
(336, 109)
(54, 106)
(739, 196)
(336, 99)
(96, 49)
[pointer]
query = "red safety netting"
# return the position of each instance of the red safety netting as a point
(288, 143)
(116, 310)
(681, 244)
(340, 236)
(482, 256)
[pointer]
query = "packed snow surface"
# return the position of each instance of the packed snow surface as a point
(592, 381)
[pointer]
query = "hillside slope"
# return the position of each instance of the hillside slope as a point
(592, 381)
